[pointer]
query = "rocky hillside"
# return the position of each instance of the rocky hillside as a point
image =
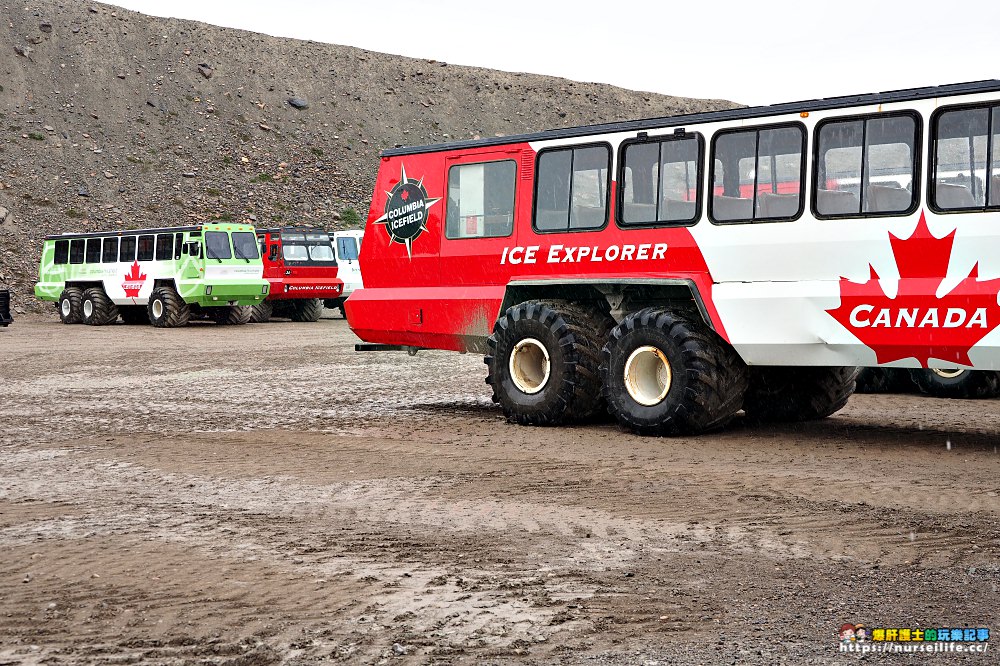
(110, 118)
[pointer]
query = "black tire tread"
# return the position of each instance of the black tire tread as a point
(75, 296)
(104, 310)
(579, 330)
(307, 309)
(261, 312)
(716, 377)
(231, 315)
(177, 313)
(974, 384)
(787, 394)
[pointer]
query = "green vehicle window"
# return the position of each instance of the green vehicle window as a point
(93, 250)
(245, 245)
(217, 245)
(76, 251)
(62, 252)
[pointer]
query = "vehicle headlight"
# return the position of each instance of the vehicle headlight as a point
(263, 289)
(208, 290)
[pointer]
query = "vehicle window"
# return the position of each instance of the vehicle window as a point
(321, 252)
(272, 255)
(757, 174)
(62, 252)
(76, 251)
(146, 248)
(295, 252)
(965, 144)
(109, 253)
(347, 249)
(245, 245)
(661, 182)
(178, 245)
(164, 247)
(127, 250)
(217, 245)
(572, 189)
(93, 250)
(866, 165)
(481, 200)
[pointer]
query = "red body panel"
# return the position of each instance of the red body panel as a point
(290, 282)
(437, 292)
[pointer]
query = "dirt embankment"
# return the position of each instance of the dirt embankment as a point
(193, 495)
(110, 118)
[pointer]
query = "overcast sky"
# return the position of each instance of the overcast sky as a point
(753, 53)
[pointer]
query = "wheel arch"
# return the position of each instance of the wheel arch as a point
(617, 297)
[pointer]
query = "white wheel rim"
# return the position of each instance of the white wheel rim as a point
(529, 366)
(157, 308)
(949, 373)
(88, 308)
(648, 376)
(66, 307)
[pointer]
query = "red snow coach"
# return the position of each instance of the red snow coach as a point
(302, 269)
(678, 270)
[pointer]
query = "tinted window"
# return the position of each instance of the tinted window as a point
(245, 245)
(109, 253)
(661, 182)
(76, 251)
(164, 247)
(217, 245)
(480, 200)
(866, 165)
(126, 252)
(146, 248)
(966, 159)
(571, 190)
(178, 245)
(62, 252)
(93, 250)
(757, 174)
(347, 249)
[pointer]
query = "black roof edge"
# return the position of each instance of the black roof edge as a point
(711, 116)
(127, 232)
(271, 230)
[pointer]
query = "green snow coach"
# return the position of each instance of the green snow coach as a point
(162, 276)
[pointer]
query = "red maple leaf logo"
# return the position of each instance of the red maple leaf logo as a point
(404, 195)
(134, 280)
(916, 323)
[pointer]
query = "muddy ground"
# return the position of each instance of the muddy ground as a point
(264, 494)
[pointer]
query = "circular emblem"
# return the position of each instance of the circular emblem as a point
(406, 207)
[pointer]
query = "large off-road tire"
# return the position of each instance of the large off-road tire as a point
(884, 380)
(664, 372)
(307, 309)
(133, 314)
(260, 313)
(543, 362)
(97, 308)
(779, 394)
(231, 315)
(70, 305)
(957, 383)
(167, 309)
